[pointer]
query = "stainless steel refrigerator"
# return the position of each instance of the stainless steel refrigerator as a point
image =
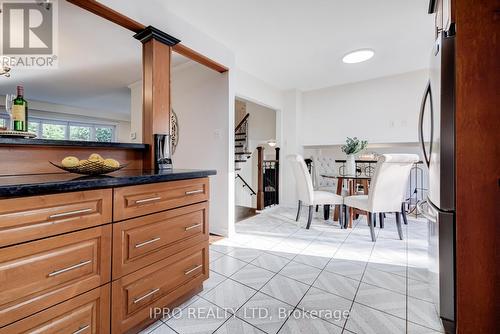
(437, 137)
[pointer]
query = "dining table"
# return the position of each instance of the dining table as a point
(351, 182)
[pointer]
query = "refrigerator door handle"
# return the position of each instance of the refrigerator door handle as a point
(427, 93)
(425, 209)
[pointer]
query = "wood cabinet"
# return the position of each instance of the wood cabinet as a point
(141, 241)
(30, 218)
(96, 261)
(42, 273)
(134, 201)
(157, 285)
(88, 313)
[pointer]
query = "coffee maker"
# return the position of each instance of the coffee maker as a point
(163, 152)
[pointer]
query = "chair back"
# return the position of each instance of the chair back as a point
(388, 185)
(324, 165)
(305, 190)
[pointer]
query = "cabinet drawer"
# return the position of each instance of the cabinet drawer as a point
(157, 285)
(30, 218)
(39, 274)
(141, 200)
(141, 241)
(88, 313)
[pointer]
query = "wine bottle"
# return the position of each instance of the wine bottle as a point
(20, 111)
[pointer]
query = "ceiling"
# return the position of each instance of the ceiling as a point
(97, 61)
(300, 43)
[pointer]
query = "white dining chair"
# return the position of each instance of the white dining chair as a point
(306, 193)
(387, 189)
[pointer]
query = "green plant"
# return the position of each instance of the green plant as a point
(353, 145)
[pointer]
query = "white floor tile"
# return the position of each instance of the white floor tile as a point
(337, 284)
(382, 299)
(424, 313)
(301, 323)
(201, 317)
(213, 280)
(363, 319)
(300, 272)
(230, 295)
(265, 312)
(253, 276)
(227, 265)
(270, 262)
(385, 280)
(327, 306)
(235, 325)
(285, 289)
(351, 269)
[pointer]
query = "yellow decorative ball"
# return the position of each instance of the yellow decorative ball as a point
(95, 157)
(70, 162)
(111, 163)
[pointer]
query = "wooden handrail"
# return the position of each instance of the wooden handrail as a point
(240, 124)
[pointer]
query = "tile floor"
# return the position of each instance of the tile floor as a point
(273, 276)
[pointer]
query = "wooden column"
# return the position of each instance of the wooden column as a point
(157, 51)
(260, 178)
(477, 165)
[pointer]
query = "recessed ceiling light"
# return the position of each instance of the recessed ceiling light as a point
(358, 56)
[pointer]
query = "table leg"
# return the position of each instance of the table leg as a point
(340, 181)
(351, 193)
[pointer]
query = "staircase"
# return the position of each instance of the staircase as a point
(241, 149)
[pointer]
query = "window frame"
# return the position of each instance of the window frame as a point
(69, 123)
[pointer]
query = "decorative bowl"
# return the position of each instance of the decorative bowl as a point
(90, 168)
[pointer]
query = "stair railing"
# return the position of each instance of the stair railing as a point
(245, 184)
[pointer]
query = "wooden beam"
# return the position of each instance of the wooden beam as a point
(199, 58)
(477, 165)
(109, 14)
(156, 95)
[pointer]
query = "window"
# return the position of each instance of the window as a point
(60, 130)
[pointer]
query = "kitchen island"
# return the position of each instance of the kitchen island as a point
(100, 253)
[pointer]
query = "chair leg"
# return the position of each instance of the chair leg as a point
(374, 216)
(326, 211)
(317, 208)
(403, 213)
(381, 219)
(370, 223)
(298, 211)
(398, 223)
(346, 216)
(309, 219)
(341, 215)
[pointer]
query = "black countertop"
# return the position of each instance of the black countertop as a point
(71, 143)
(38, 184)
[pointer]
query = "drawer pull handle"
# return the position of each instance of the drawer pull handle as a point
(147, 242)
(58, 272)
(187, 272)
(69, 213)
(82, 329)
(193, 192)
(146, 200)
(192, 226)
(146, 295)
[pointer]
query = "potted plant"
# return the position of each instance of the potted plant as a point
(351, 147)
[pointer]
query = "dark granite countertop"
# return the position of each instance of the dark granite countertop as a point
(71, 143)
(38, 184)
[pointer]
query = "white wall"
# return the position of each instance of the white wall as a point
(255, 90)
(383, 110)
(199, 98)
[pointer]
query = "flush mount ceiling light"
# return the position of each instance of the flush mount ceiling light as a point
(358, 56)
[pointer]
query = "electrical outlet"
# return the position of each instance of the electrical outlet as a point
(133, 135)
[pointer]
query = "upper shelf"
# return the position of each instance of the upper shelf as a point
(70, 143)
